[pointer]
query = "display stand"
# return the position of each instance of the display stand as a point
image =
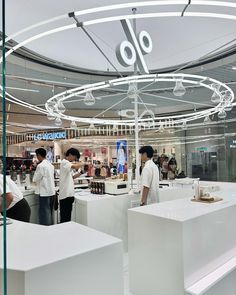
(62, 259)
(33, 201)
(106, 213)
(183, 247)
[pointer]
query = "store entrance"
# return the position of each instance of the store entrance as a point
(204, 165)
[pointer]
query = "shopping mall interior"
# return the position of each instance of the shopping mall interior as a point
(104, 75)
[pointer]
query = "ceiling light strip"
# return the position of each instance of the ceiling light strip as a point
(116, 18)
(22, 89)
(210, 15)
(213, 3)
(122, 6)
(23, 103)
(38, 36)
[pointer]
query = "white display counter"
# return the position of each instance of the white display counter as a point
(106, 213)
(174, 193)
(61, 259)
(33, 201)
(183, 247)
(109, 214)
(178, 182)
(226, 187)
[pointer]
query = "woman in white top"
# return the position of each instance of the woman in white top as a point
(149, 177)
(17, 206)
(66, 184)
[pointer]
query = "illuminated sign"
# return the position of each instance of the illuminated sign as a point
(50, 136)
(202, 149)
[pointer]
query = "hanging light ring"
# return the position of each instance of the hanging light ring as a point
(187, 79)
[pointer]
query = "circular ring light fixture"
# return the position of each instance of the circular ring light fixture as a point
(224, 92)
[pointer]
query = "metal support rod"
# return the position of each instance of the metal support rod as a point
(135, 32)
(136, 130)
(185, 8)
(80, 25)
(136, 141)
(4, 148)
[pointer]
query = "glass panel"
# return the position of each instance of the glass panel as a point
(4, 149)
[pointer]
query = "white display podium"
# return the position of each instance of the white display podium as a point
(106, 213)
(33, 201)
(174, 193)
(183, 247)
(61, 259)
(109, 214)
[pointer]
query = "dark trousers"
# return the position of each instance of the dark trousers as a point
(164, 175)
(65, 209)
(45, 210)
(20, 211)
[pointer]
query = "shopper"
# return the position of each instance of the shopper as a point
(44, 179)
(66, 184)
(172, 168)
(164, 168)
(149, 177)
(98, 169)
(17, 206)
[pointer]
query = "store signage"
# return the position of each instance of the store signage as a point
(233, 145)
(132, 51)
(202, 149)
(50, 136)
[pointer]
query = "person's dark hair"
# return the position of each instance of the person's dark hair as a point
(73, 152)
(172, 161)
(148, 150)
(41, 152)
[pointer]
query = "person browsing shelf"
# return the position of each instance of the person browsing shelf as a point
(66, 183)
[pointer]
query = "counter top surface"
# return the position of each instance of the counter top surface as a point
(27, 192)
(31, 246)
(87, 196)
(184, 209)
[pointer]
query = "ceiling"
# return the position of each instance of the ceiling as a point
(69, 59)
(176, 40)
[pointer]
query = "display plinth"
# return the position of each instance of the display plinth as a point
(61, 259)
(106, 213)
(174, 193)
(173, 245)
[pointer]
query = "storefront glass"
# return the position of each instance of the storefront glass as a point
(4, 151)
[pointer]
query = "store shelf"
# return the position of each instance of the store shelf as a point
(203, 285)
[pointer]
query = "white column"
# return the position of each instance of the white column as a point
(136, 131)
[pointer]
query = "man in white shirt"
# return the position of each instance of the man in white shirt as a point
(66, 184)
(149, 177)
(17, 206)
(44, 178)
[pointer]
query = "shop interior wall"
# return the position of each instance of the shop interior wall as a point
(169, 144)
(212, 158)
